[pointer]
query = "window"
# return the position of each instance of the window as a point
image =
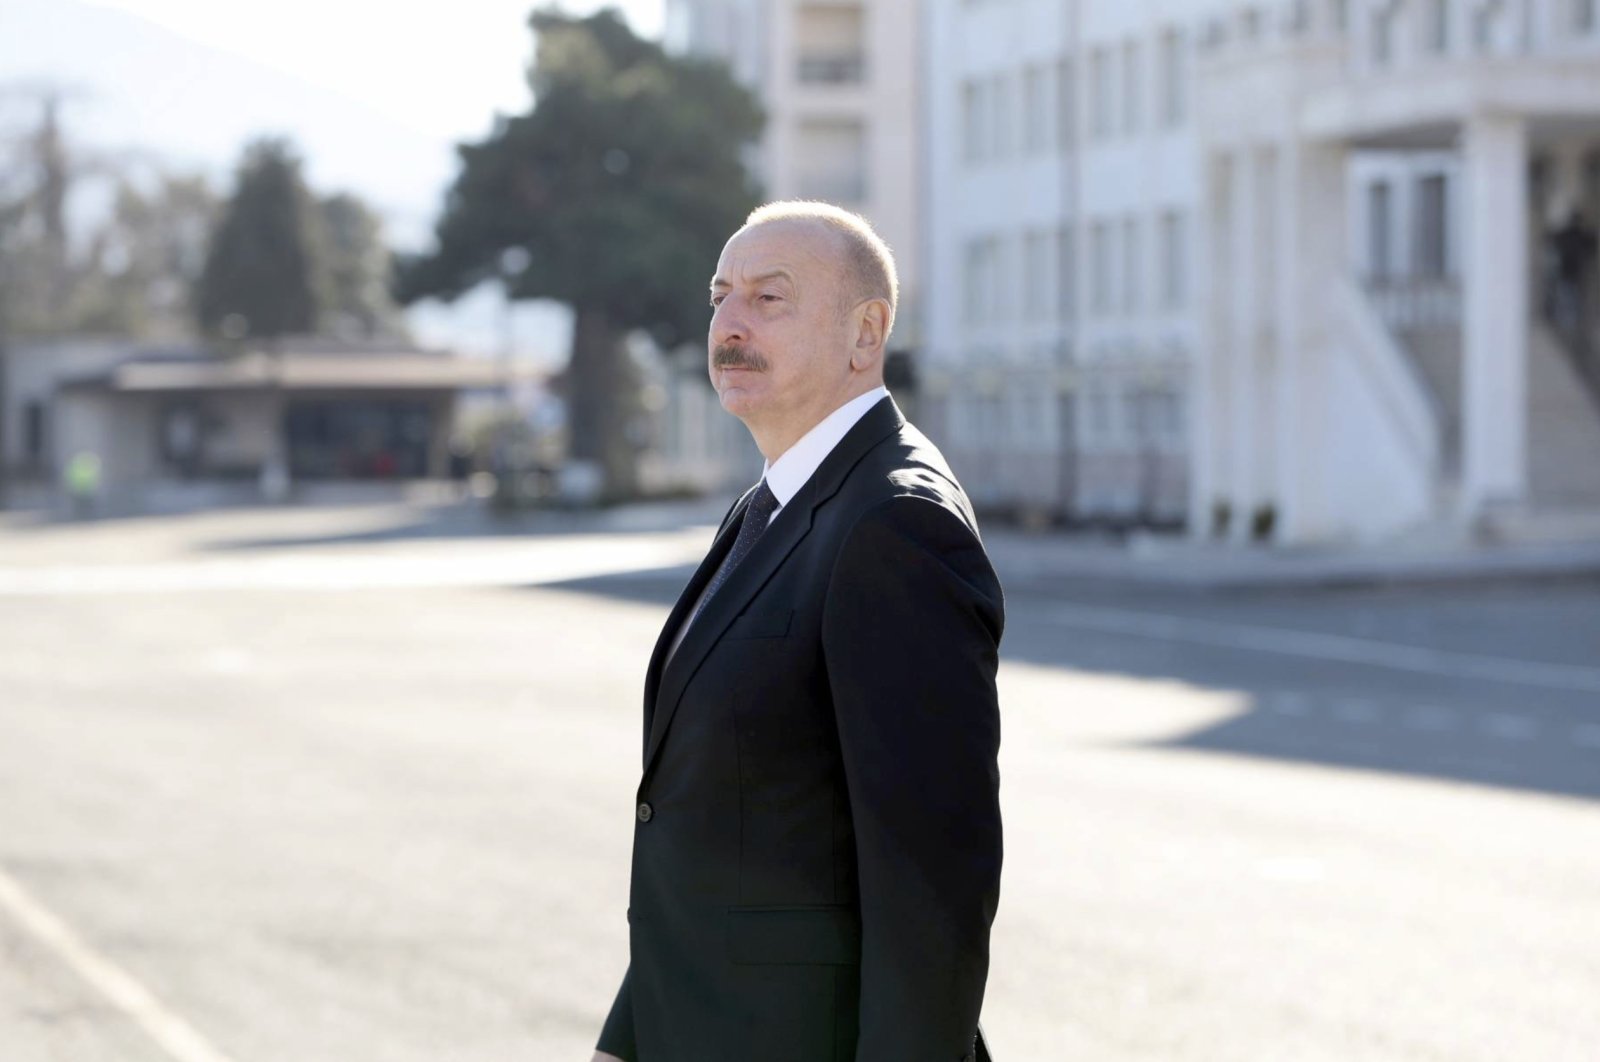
(1100, 86)
(1585, 15)
(972, 122)
(1099, 415)
(1172, 86)
(830, 44)
(1132, 75)
(33, 432)
(1066, 105)
(1432, 217)
(1174, 252)
(1000, 121)
(1436, 26)
(1035, 108)
(1383, 31)
(972, 283)
(1037, 277)
(1131, 261)
(1066, 274)
(1100, 267)
(834, 166)
(1379, 262)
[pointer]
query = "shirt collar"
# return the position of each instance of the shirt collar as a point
(794, 466)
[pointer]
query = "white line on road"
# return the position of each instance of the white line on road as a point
(1510, 727)
(1429, 717)
(175, 1035)
(1356, 711)
(1340, 648)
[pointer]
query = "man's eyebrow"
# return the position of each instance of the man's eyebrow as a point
(776, 274)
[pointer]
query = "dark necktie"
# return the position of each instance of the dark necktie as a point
(756, 516)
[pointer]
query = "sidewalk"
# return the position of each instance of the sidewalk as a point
(1054, 559)
(405, 516)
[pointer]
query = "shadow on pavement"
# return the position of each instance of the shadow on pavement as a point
(1319, 711)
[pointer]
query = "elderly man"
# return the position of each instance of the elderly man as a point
(817, 845)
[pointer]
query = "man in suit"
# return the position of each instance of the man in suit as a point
(817, 844)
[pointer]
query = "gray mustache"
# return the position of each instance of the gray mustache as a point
(728, 357)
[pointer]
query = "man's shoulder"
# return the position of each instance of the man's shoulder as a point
(903, 468)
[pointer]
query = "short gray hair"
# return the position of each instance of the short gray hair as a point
(868, 259)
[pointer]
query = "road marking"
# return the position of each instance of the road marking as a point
(1290, 703)
(1509, 727)
(1356, 711)
(175, 1036)
(1429, 717)
(1340, 648)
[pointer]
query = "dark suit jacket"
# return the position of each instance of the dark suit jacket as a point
(817, 847)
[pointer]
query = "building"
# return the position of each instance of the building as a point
(1272, 270)
(158, 417)
(840, 84)
(1061, 210)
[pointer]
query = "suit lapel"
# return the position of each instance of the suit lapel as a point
(720, 546)
(785, 532)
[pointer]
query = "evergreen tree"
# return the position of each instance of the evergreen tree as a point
(615, 192)
(263, 274)
(360, 303)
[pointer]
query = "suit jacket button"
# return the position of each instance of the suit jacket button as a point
(645, 812)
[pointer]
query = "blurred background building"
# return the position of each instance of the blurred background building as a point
(1305, 271)
(1281, 272)
(842, 87)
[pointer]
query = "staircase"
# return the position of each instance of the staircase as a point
(1563, 428)
(1435, 351)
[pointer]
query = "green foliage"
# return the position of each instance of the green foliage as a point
(263, 268)
(620, 184)
(146, 258)
(357, 264)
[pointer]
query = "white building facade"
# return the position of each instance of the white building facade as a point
(1061, 214)
(1274, 271)
(839, 81)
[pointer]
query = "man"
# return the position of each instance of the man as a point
(817, 844)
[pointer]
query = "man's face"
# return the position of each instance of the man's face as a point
(778, 347)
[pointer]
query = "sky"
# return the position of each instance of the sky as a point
(375, 95)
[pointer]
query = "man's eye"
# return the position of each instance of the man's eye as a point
(769, 296)
(716, 300)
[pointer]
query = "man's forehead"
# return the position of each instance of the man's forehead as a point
(787, 246)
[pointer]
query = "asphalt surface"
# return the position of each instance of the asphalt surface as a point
(343, 785)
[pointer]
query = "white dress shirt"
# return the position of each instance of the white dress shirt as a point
(798, 463)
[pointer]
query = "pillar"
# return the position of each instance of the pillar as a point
(1314, 264)
(1494, 413)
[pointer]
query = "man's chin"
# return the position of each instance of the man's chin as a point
(736, 400)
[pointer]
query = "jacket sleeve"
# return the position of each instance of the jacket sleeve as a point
(911, 633)
(616, 1036)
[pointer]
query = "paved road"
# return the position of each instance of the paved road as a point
(321, 785)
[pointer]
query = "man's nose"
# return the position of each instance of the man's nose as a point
(728, 324)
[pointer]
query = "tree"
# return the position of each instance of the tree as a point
(358, 266)
(263, 274)
(615, 193)
(146, 259)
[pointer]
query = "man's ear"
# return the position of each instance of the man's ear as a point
(872, 331)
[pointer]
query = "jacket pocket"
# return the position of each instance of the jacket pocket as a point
(767, 623)
(811, 933)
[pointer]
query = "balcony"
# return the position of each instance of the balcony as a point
(835, 68)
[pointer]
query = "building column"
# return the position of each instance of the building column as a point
(1314, 263)
(1244, 333)
(1208, 416)
(1494, 413)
